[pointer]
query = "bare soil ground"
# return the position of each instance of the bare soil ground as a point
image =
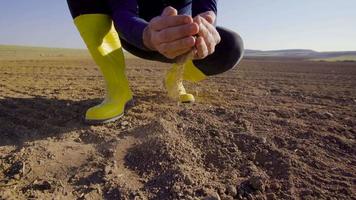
(271, 129)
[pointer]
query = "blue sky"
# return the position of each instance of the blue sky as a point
(324, 25)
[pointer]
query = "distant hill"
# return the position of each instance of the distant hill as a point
(26, 52)
(304, 54)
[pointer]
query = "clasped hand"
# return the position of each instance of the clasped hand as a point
(173, 35)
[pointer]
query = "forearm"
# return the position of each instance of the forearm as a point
(129, 26)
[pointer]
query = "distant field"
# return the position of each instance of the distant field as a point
(9, 52)
(23, 52)
(304, 54)
(349, 58)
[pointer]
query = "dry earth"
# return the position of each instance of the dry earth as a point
(271, 129)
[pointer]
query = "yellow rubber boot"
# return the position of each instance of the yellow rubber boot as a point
(174, 84)
(192, 73)
(104, 45)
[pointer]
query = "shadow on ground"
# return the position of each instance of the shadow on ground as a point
(29, 119)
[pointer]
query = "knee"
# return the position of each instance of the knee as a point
(232, 49)
(227, 55)
(238, 48)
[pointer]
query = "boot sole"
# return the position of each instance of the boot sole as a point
(128, 105)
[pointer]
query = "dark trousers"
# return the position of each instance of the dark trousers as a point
(227, 55)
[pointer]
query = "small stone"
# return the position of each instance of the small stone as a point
(213, 196)
(252, 156)
(189, 197)
(97, 188)
(22, 150)
(92, 195)
(265, 151)
(108, 170)
(17, 176)
(328, 115)
(275, 90)
(51, 156)
(271, 196)
(221, 190)
(78, 140)
(231, 190)
(41, 185)
(233, 176)
(124, 123)
(250, 197)
(257, 183)
(275, 186)
(226, 197)
(252, 167)
(176, 188)
(260, 196)
(201, 192)
(188, 191)
(264, 140)
(188, 180)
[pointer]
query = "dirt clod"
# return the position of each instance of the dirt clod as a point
(212, 196)
(271, 196)
(231, 190)
(257, 183)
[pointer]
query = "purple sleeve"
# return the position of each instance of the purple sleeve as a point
(200, 6)
(129, 26)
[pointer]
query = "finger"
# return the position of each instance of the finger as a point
(207, 32)
(178, 32)
(159, 23)
(204, 32)
(209, 43)
(209, 16)
(180, 52)
(209, 19)
(197, 20)
(185, 43)
(212, 30)
(201, 48)
(169, 11)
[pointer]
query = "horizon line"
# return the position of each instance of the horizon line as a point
(263, 50)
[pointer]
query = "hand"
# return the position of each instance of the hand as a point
(208, 36)
(170, 34)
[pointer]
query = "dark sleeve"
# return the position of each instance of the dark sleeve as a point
(127, 23)
(200, 6)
